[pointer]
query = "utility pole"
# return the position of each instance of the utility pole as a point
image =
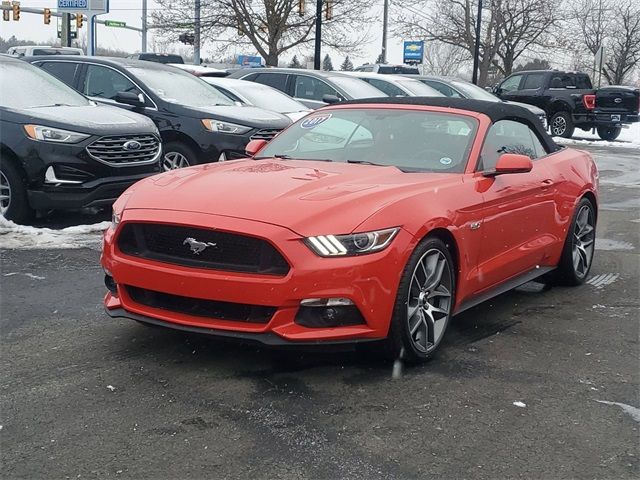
(476, 53)
(144, 26)
(316, 55)
(65, 31)
(385, 25)
(196, 36)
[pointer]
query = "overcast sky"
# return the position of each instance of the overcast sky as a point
(31, 27)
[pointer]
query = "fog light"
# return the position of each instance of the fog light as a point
(110, 283)
(328, 312)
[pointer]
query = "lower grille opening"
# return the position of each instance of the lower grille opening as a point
(331, 316)
(235, 312)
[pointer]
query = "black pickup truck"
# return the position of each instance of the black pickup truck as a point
(571, 101)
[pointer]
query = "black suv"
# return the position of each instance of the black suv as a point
(197, 123)
(60, 150)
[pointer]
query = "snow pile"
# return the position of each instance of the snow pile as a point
(629, 138)
(24, 237)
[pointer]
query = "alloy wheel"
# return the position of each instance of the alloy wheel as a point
(429, 300)
(583, 241)
(173, 161)
(5, 194)
(559, 126)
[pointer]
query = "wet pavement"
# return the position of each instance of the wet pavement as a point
(537, 383)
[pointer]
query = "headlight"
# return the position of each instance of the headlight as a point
(353, 244)
(225, 127)
(49, 134)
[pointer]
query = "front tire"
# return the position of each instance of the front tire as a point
(177, 155)
(561, 125)
(14, 204)
(579, 246)
(424, 302)
(609, 133)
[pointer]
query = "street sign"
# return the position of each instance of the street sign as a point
(413, 51)
(249, 61)
(115, 23)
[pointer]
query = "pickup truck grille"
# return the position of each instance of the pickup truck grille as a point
(125, 150)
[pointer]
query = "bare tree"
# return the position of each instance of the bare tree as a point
(272, 27)
(445, 59)
(509, 27)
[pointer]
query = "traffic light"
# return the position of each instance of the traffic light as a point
(301, 5)
(328, 13)
(79, 20)
(47, 16)
(6, 15)
(16, 11)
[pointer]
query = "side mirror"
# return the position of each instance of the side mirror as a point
(254, 146)
(511, 163)
(130, 98)
(330, 99)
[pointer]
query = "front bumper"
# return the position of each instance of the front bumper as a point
(369, 281)
(103, 191)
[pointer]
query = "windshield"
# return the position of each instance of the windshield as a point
(176, 86)
(412, 140)
(473, 91)
(268, 98)
(419, 89)
(26, 86)
(356, 88)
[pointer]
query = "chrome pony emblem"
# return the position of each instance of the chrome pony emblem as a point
(196, 246)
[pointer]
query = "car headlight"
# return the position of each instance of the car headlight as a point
(225, 127)
(56, 135)
(352, 244)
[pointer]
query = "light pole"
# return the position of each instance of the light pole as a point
(317, 52)
(385, 25)
(144, 26)
(476, 53)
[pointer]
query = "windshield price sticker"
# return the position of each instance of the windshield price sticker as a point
(315, 121)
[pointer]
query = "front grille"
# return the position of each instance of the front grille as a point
(235, 312)
(201, 248)
(113, 150)
(265, 134)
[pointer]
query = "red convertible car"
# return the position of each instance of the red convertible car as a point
(369, 220)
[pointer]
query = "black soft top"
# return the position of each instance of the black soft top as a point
(496, 111)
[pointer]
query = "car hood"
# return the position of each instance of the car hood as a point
(244, 115)
(90, 119)
(307, 197)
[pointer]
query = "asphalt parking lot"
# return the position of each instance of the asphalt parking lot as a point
(538, 383)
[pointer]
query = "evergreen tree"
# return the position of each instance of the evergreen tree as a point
(347, 65)
(295, 63)
(327, 65)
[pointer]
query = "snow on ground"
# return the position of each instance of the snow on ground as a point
(629, 138)
(24, 237)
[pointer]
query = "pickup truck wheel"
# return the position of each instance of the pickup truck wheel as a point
(609, 133)
(562, 125)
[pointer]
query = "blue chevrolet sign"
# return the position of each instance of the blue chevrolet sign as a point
(249, 61)
(413, 51)
(79, 4)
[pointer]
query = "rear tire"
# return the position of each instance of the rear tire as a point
(579, 246)
(424, 302)
(177, 155)
(609, 133)
(14, 204)
(561, 125)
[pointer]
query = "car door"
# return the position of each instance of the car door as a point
(509, 89)
(386, 87)
(310, 90)
(519, 209)
(275, 80)
(65, 71)
(532, 88)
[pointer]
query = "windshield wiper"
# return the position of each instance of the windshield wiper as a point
(365, 162)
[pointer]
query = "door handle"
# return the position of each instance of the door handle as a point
(547, 182)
